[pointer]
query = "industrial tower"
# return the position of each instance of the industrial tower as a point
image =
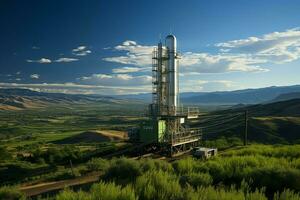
(166, 125)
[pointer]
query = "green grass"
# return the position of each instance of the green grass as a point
(252, 172)
(11, 193)
(19, 128)
(255, 172)
(263, 129)
(275, 129)
(22, 132)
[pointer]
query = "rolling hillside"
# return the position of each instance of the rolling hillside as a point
(286, 108)
(20, 99)
(287, 96)
(247, 96)
(277, 122)
(94, 137)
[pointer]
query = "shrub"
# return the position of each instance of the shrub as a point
(123, 169)
(287, 194)
(67, 194)
(158, 185)
(256, 195)
(276, 178)
(11, 193)
(4, 154)
(99, 191)
(152, 164)
(54, 155)
(98, 164)
(211, 193)
(220, 143)
(63, 174)
(185, 166)
(110, 191)
(196, 179)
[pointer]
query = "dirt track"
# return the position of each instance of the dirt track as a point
(34, 190)
(42, 188)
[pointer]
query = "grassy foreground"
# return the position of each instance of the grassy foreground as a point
(253, 172)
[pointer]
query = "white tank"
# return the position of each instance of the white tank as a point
(171, 45)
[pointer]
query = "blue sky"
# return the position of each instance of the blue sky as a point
(104, 47)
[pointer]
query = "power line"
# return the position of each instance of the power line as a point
(221, 129)
(217, 118)
(223, 114)
(220, 123)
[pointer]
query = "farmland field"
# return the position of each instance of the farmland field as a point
(54, 146)
(63, 133)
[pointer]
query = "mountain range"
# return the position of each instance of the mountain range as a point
(18, 99)
(246, 96)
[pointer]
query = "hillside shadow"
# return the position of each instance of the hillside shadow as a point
(89, 137)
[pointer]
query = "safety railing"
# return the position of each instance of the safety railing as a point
(186, 136)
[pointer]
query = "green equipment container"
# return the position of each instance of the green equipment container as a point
(152, 131)
(161, 130)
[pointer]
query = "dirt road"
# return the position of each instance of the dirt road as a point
(34, 190)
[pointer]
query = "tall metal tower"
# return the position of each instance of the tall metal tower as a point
(167, 119)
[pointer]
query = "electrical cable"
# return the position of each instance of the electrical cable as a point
(217, 116)
(217, 119)
(227, 114)
(220, 123)
(223, 128)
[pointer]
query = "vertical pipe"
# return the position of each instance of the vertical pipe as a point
(171, 45)
(159, 77)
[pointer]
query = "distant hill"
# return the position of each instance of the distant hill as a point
(19, 99)
(147, 97)
(94, 136)
(287, 96)
(277, 122)
(247, 96)
(279, 109)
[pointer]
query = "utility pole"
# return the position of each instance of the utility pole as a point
(246, 128)
(72, 168)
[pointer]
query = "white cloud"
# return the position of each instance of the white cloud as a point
(276, 47)
(81, 51)
(220, 63)
(129, 43)
(208, 85)
(224, 50)
(136, 54)
(42, 61)
(47, 60)
(35, 76)
(219, 85)
(140, 56)
(75, 88)
(116, 80)
(66, 60)
(252, 54)
(80, 48)
(35, 47)
(130, 69)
